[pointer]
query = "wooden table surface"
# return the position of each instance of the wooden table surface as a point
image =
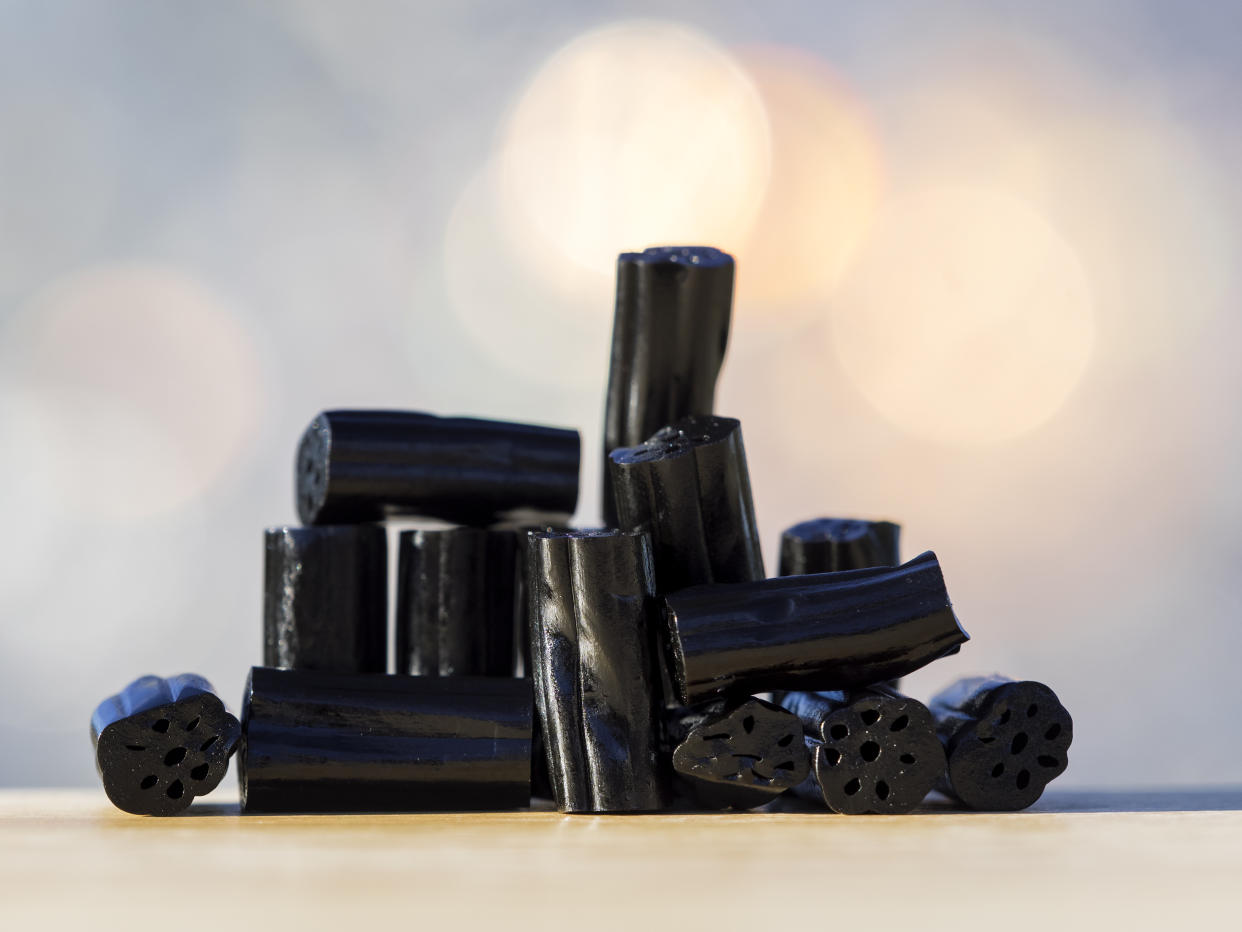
(1169, 860)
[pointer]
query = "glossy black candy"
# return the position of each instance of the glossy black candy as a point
(740, 754)
(357, 466)
(1005, 741)
(874, 750)
(361, 742)
(325, 598)
(596, 681)
(829, 545)
(669, 334)
(689, 487)
(823, 631)
(159, 743)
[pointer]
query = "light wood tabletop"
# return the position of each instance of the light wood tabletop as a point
(1164, 860)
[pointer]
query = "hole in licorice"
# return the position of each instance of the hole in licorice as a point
(881, 789)
(852, 787)
(785, 741)
(907, 758)
(785, 765)
(175, 790)
(869, 751)
(149, 781)
(900, 722)
(1053, 730)
(1024, 779)
(837, 732)
(208, 743)
(748, 724)
(160, 726)
(1018, 743)
(1032, 710)
(832, 756)
(200, 772)
(174, 757)
(998, 770)
(192, 724)
(1004, 719)
(870, 716)
(135, 747)
(1047, 760)
(988, 740)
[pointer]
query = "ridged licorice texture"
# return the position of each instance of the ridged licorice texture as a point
(829, 545)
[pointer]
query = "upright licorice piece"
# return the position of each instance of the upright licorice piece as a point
(829, 545)
(669, 335)
(739, 754)
(357, 742)
(1005, 741)
(596, 682)
(689, 487)
(824, 631)
(366, 465)
(874, 750)
(159, 743)
(325, 598)
(455, 602)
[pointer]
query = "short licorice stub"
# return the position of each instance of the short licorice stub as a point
(880, 754)
(1017, 746)
(744, 756)
(158, 761)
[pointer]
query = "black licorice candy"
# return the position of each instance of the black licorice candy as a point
(362, 742)
(455, 602)
(159, 743)
(355, 466)
(873, 749)
(830, 545)
(669, 334)
(739, 754)
(325, 598)
(597, 685)
(688, 486)
(1006, 741)
(823, 631)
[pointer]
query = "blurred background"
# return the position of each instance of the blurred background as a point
(987, 287)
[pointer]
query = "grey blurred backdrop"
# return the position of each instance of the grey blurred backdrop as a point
(988, 287)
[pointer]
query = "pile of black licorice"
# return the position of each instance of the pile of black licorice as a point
(641, 667)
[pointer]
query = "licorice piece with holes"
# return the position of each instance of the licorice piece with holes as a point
(596, 681)
(455, 602)
(739, 754)
(363, 742)
(1006, 740)
(822, 631)
(159, 743)
(689, 487)
(873, 750)
(325, 598)
(669, 335)
(829, 545)
(355, 466)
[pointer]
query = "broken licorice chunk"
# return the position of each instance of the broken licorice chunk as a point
(357, 466)
(159, 743)
(1005, 741)
(741, 754)
(325, 598)
(596, 681)
(669, 334)
(359, 742)
(874, 750)
(829, 545)
(455, 602)
(824, 631)
(688, 486)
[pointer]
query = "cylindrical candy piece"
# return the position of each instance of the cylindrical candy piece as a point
(325, 598)
(739, 754)
(669, 335)
(596, 682)
(159, 743)
(874, 750)
(823, 631)
(455, 602)
(829, 545)
(357, 466)
(360, 742)
(688, 486)
(1005, 741)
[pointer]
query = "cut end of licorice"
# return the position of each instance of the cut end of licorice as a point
(829, 545)
(707, 256)
(314, 454)
(677, 439)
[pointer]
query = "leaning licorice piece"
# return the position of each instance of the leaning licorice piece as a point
(874, 750)
(669, 335)
(159, 743)
(829, 545)
(366, 465)
(1005, 741)
(739, 754)
(364, 742)
(597, 686)
(824, 631)
(689, 487)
